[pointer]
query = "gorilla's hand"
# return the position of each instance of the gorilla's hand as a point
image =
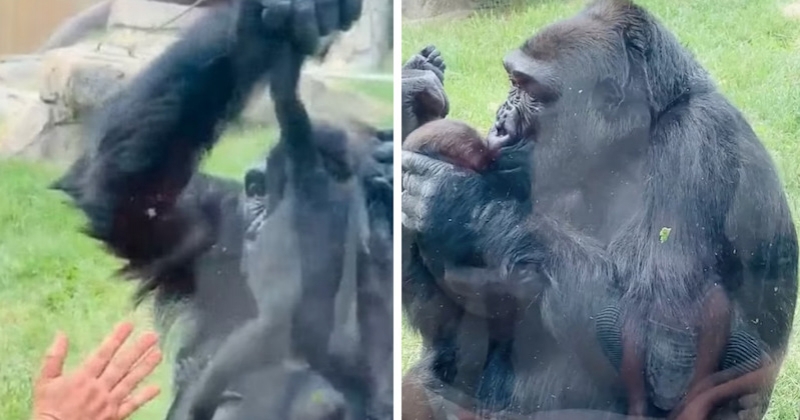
(424, 98)
(310, 20)
(453, 212)
(430, 59)
(379, 175)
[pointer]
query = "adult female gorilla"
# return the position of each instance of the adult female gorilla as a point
(654, 145)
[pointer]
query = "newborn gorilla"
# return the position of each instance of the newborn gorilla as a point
(452, 141)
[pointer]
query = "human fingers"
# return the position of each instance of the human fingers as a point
(137, 401)
(135, 376)
(305, 27)
(97, 362)
(53, 363)
(121, 366)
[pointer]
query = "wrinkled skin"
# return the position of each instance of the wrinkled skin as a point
(423, 93)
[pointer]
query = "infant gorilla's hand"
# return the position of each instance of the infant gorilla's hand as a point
(310, 20)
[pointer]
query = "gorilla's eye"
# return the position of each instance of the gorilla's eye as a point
(534, 88)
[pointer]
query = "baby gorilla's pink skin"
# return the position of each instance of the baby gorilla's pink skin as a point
(454, 142)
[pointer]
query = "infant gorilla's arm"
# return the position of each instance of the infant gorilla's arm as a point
(508, 170)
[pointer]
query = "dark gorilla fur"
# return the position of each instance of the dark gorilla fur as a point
(631, 135)
(196, 239)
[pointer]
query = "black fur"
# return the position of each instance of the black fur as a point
(184, 235)
(631, 136)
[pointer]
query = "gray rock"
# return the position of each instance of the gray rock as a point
(20, 71)
(35, 135)
(368, 42)
(149, 15)
(79, 26)
(75, 80)
(425, 9)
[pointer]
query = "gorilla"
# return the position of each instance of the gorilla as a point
(199, 243)
(532, 310)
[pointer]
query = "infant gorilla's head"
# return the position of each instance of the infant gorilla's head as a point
(284, 391)
(451, 141)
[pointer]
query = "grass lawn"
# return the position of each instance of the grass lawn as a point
(52, 277)
(748, 46)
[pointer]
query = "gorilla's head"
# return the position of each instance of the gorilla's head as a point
(581, 86)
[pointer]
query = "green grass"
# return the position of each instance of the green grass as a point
(52, 277)
(749, 47)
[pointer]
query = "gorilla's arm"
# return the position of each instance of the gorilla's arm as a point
(683, 171)
(145, 143)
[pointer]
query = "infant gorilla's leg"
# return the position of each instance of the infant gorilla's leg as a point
(720, 354)
(256, 344)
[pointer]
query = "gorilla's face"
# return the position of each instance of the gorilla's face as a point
(573, 96)
(255, 200)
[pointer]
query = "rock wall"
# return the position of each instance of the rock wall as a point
(44, 98)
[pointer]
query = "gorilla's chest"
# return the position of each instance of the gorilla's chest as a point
(596, 202)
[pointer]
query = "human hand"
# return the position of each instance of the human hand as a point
(310, 20)
(101, 388)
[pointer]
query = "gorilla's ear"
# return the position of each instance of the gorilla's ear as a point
(608, 95)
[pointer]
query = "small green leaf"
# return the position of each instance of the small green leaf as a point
(317, 397)
(664, 234)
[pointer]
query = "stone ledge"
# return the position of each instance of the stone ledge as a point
(149, 15)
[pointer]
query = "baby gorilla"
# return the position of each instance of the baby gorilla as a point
(712, 342)
(507, 170)
(454, 142)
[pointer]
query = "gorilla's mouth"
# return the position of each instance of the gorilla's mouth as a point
(510, 131)
(499, 136)
(515, 122)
